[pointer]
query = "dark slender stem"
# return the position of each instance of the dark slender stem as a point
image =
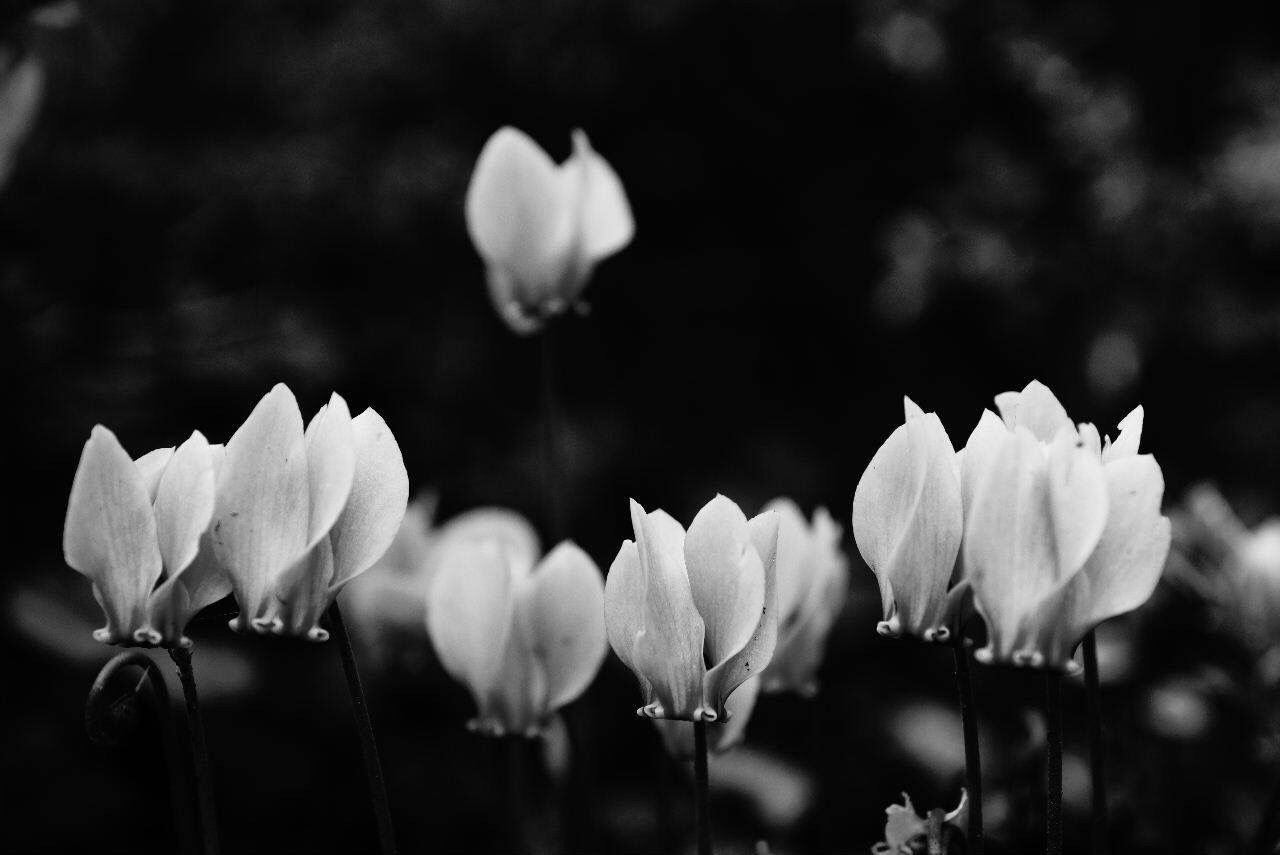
(972, 756)
(516, 780)
(364, 727)
(1053, 764)
(701, 788)
(202, 780)
(1097, 768)
(935, 839)
(553, 481)
(1264, 841)
(107, 722)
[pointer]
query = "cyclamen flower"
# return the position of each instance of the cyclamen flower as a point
(905, 825)
(300, 514)
(1064, 531)
(542, 228)
(693, 615)
(677, 736)
(908, 522)
(813, 582)
(525, 640)
(135, 529)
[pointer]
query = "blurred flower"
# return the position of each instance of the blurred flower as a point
(693, 615)
(907, 523)
(813, 582)
(542, 228)
(930, 734)
(300, 514)
(1063, 531)
(388, 603)
(134, 529)
(1178, 710)
(721, 735)
(779, 791)
(525, 640)
(21, 89)
(904, 825)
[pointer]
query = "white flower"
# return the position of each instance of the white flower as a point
(542, 228)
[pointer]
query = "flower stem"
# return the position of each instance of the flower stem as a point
(972, 757)
(702, 789)
(518, 826)
(108, 722)
(550, 416)
(1097, 768)
(1263, 841)
(203, 782)
(1053, 764)
(364, 727)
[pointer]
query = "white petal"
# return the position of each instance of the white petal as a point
(1007, 406)
(983, 444)
(518, 212)
(1126, 444)
(508, 527)
(910, 410)
(470, 607)
(184, 503)
(795, 577)
(726, 578)
(1077, 500)
(1040, 412)
(605, 224)
(561, 614)
(261, 515)
(624, 598)
(152, 465)
(110, 533)
(331, 463)
(376, 506)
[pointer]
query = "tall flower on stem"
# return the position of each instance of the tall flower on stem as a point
(542, 228)
(694, 615)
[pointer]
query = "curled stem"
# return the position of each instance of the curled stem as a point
(1053, 763)
(701, 788)
(972, 756)
(1097, 769)
(364, 727)
(109, 721)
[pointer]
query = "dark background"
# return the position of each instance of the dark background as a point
(836, 203)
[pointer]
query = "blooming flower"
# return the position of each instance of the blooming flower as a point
(693, 615)
(134, 528)
(905, 825)
(1064, 530)
(542, 228)
(677, 736)
(525, 640)
(813, 582)
(300, 514)
(908, 523)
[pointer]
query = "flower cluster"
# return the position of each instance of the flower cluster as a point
(1052, 529)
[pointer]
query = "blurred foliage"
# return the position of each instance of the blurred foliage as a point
(837, 203)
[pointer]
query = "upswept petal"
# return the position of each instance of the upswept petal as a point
(515, 703)
(1077, 501)
(376, 505)
(605, 224)
(261, 515)
(978, 452)
(110, 534)
(331, 463)
(1036, 409)
(669, 650)
(795, 570)
(517, 211)
(152, 465)
(184, 504)
(561, 615)
(1090, 437)
(1126, 444)
(508, 527)
(910, 410)
(726, 578)
(907, 522)
(624, 597)
(470, 605)
(1124, 569)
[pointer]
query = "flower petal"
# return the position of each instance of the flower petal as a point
(605, 224)
(506, 526)
(726, 578)
(794, 569)
(1077, 500)
(184, 503)
(376, 506)
(1036, 409)
(517, 210)
(1126, 444)
(152, 465)
(469, 613)
(669, 650)
(983, 444)
(261, 516)
(624, 598)
(561, 616)
(110, 534)
(331, 463)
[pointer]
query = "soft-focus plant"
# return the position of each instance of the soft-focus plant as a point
(134, 528)
(21, 88)
(300, 513)
(813, 583)
(542, 228)
(1064, 531)
(906, 832)
(908, 523)
(693, 614)
(677, 735)
(524, 639)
